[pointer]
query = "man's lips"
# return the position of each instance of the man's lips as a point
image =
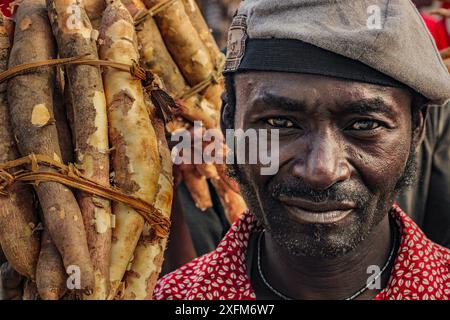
(317, 212)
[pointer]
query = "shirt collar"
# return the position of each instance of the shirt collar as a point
(420, 265)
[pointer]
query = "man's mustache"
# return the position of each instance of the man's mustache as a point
(341, 191)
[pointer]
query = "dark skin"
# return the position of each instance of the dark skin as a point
(343, 148)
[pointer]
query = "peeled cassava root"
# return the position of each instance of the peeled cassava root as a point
(30, 99)
(19, 242)
(154, 54)
(135, 158)
(181, 25)
(148, 256)
(192, 45)
(183, 41)
(156, 57)
(84, 90)
(111, 118)
(213, 92)
(232, 202)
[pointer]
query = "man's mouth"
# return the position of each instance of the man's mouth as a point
(317, 212)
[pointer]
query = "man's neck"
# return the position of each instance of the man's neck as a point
(319, 278)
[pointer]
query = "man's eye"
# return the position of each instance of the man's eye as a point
(365, 125)
(280, 122)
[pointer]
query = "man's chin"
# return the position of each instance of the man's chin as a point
(327, 244)
(307, 234)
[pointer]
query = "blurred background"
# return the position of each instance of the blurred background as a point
(219, 14)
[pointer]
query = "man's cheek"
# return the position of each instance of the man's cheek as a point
(380, 174)
(255, 177)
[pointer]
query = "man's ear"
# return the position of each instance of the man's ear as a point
(419, 130)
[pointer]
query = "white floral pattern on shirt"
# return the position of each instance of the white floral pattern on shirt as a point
(421, 269)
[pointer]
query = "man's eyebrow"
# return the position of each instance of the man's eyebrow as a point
(286, 103)
(371, 105)
(363, 106)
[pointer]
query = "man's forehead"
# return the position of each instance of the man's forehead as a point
(268, 86)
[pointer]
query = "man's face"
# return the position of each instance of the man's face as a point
(343, 150)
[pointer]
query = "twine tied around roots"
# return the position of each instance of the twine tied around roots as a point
(36, 168)
(214, 78)
(147, 77)
(70, 175)
(134, 69)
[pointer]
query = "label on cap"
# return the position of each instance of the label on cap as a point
(237, 37)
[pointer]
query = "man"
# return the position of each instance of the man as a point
(341, 83)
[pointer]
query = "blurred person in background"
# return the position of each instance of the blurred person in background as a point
(428, 199)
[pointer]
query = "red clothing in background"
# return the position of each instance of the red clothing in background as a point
(437, 30)
(4, 6)
(421, 270)
(445, 23)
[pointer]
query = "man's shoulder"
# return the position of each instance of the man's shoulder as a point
(425, 273)
(422, 267)
(419, 246)
(442, 255)
(177, 284)
(216, 275)
(220, 274)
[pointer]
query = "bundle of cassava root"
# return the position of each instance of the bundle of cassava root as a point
(89, 90)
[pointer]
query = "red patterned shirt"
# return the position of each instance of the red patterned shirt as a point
(421, 270)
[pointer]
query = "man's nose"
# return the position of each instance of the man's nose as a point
(323, 163)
